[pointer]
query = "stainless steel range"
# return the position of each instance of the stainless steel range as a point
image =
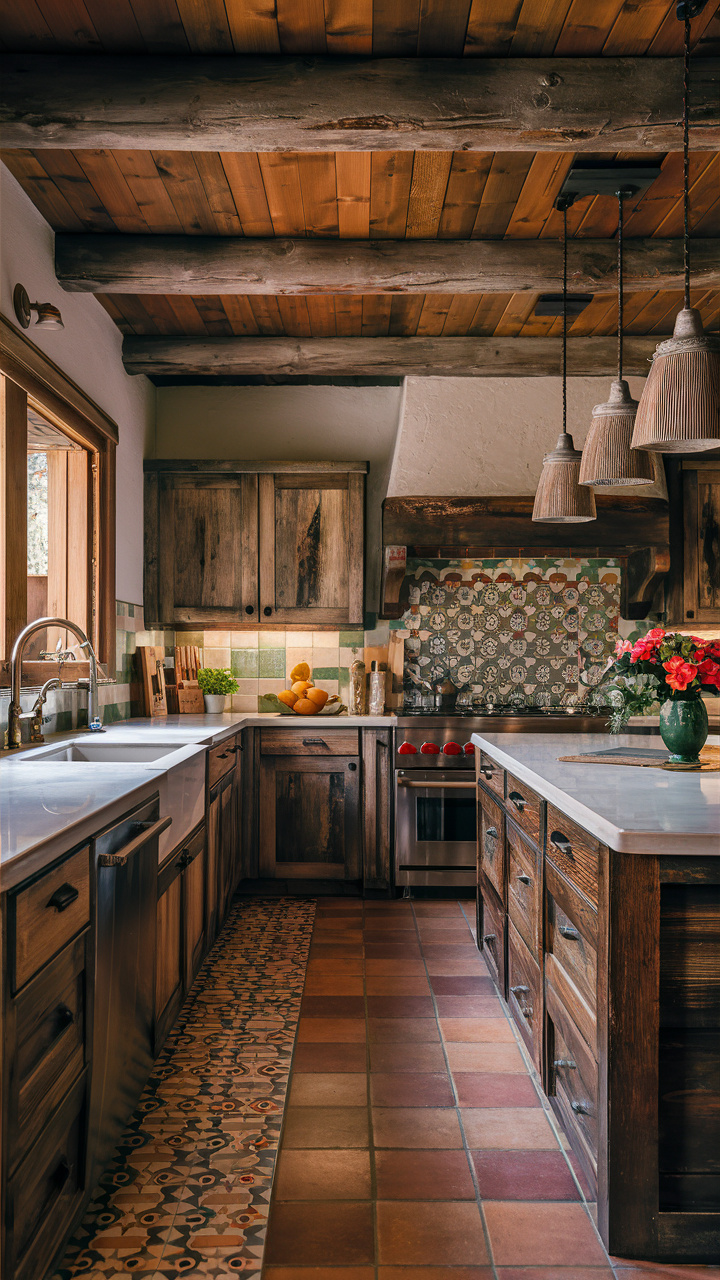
(435, 815)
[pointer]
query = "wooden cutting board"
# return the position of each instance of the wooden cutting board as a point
(151, 661)
(649, 758)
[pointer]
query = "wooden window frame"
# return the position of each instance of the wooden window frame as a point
(30, 378)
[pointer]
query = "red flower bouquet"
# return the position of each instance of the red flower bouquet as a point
(660, 666)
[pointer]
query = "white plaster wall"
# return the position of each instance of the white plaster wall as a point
(486, 437)
(305, 424)
(88, 350)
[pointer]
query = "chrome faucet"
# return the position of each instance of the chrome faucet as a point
(13, 736)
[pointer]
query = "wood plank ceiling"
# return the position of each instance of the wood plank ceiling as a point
(360, 195)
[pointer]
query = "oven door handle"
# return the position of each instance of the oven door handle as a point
(438, 786)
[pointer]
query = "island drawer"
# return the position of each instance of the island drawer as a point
(491, 842)
(525, 807)
(523, 887)
(492, 933)
(572, 934)
(318, 741)
(221, 760)
(48, 913)
(572, 1082)
(46, 1024)
(574, 851)
(525, 993)
(491, 774)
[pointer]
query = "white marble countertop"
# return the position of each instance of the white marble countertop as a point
(631, 809)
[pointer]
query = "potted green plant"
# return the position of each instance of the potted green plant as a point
(674, 670)
(216, 683)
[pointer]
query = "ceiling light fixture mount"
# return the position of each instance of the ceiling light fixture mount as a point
(48, 316)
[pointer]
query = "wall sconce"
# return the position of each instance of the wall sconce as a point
(48, 316)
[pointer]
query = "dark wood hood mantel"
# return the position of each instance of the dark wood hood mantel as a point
(635, 529)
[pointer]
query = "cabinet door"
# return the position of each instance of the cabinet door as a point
(228, 861)
(309, 818)
(194, 878)
(311, 548)
(701, 507)
(200, 549)
(169, 967)
(221, 852)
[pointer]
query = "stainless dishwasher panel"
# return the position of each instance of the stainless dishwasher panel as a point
(126, 861)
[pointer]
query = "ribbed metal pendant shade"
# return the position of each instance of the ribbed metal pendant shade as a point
(607, 456)
(679, 409)
(560, 498)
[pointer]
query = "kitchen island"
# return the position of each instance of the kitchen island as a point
(599, 917)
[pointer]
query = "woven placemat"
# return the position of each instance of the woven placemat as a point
(649, 758)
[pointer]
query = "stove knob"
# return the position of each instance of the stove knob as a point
(469, 749)
(452, 749)
(430, 749)
(407, 749)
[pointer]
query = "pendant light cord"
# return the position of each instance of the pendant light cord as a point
(564, 341)
(620, 285)
(686, 158)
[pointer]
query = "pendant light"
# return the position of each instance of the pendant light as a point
(559, 498)
(608, 458)
(679, 409)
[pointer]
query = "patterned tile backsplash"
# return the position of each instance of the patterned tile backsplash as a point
(537, 631)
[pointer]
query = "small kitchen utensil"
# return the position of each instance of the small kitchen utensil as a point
(357, 688)
(151, 660)
(378, 682)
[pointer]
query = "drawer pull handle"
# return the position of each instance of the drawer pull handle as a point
(561, 843)
(267, 610)
(568, 932)
(568, 1063)
(491, 831)
(64, 1015)
(314, 742)
(487, 772)
(524, 879)
(489, 937)
(519, 990)
(526, 1010)
(518, 800)
(581, 1108)
(61, 1173)
(63, 897)
(249, 608)
(233, 751)
(224, 755)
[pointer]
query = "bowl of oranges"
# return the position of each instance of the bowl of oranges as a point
(304, 698)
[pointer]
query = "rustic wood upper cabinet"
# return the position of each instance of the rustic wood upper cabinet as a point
(245, 544)
(701, 507)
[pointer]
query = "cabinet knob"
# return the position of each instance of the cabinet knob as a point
(518, 800)
(487, 772)
(524, 879)
(352, 767)
(249, 608)
(489, 937)
(63, 897)
(267, 610)
(64, 1015)
(565, 1062)
(568, 932)
(491, 831)
(581, 1108)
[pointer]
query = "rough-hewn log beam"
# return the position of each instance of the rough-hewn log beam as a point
(204, 264)
(321, 104)
(368, 357)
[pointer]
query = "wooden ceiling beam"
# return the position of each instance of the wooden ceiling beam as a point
(382, 357)
(269, 104)
(213, 264)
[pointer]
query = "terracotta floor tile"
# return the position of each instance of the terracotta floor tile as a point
(555, 1273)
(462, 985)
(335, 966)
(323, 1175)
(406, 1089)
(625, 1269)
(484, 1057)
(317, 1127)
(320, 1273)
(477, 1030)
(416, 1127)
(423, 1175)
(339, 1089)
(331, 1030)
(531, 1234)
(470, 967)
(487, 1006)
(524, 1175)
(387, 1030)
(326, 984)
(392, 950)
(400, 1006)
(451, 924)
(395, 968)
(332, 1233)
(329, 1058)
(336, 920)
(459, 949)
(435, 1273)
(407, 1057)
(336, 951)
(385, 985)
(588, 1191)
(509, 1129)
(332, 1007)
(436, 937)
(424, 909)
(489, 1089)
(421, 1232)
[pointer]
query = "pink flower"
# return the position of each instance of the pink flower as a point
(657, 633)
(622, 646)
(680, 673)
(643, 650)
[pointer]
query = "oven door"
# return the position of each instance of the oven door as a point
(435, 827)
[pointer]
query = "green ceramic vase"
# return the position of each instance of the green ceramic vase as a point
(684, 728)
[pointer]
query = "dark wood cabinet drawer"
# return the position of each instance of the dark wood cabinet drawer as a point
(525, 993)
(49, 1036)
(524, 887)
(221, 760)
(568, 942)
(309, 742)
(574, 851)
(565, 991)
(492, 933)
(525, 807)
(48, 913)
(491, 842)
(572, 1082)
(491, 774)
(45, 1192)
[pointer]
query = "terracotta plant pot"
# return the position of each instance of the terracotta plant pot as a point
(215, 702)
(684, 728)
